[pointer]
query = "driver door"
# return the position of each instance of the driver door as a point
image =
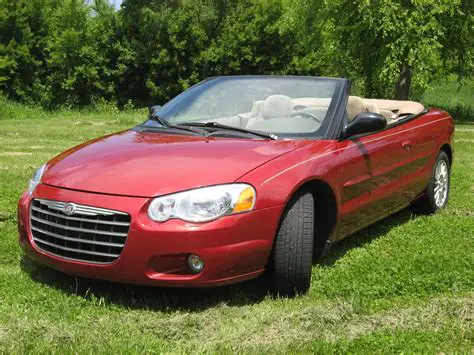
(373, 177)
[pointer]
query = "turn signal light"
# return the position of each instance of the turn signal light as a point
(246, 200)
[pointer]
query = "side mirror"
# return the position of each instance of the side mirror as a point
(365, 122)
(154, 109)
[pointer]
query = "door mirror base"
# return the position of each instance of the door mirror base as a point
(365, 122)
(154, 109)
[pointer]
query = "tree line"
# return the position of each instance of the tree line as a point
(78, 53)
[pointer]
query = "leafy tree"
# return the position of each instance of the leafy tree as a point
(24, 28)
(159, 43)
(72, 52)
(250, 41)
(307, 22)
(80, 60)
(169, 46)
(458, 44)
(57, 52)
(395, 43)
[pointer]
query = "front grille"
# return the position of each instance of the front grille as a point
(78, 232)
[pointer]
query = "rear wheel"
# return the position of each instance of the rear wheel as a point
(293, 250)
(437, 192)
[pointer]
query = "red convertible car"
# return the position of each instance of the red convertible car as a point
(235, 176)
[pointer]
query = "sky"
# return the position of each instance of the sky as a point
(116, 3)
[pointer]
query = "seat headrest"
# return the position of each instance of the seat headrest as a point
(355, 105)
(277, 106)
(312, 101)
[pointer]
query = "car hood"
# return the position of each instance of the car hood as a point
(148, 164)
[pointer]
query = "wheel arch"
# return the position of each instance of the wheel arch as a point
(449, 152)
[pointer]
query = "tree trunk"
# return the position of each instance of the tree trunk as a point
(402, 88)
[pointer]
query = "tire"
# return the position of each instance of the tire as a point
(293, 250)
(433, 201)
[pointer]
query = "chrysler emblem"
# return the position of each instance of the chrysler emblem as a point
(69, 209)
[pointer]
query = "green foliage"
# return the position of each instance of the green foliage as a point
(383, 36)
(23, 28)
(71, 53)
(57, 52)
(453, 96)
(458, 43)
(79, 63)
(250, 41)
(167, 49)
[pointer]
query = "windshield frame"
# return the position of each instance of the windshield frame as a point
(325, 131)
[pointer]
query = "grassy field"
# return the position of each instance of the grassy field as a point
(450, 95)
(404, 284)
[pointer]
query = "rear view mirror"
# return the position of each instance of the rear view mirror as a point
(365, 122)
(154, 109)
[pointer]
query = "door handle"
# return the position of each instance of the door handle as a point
(406, 145)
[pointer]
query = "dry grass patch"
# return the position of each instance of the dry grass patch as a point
(14, 154)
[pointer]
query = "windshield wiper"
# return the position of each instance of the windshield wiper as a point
(168, 125)
(229, 128)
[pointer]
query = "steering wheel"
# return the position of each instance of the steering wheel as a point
(309, 115)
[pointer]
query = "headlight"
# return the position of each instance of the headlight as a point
(36, 179)
(204, 204)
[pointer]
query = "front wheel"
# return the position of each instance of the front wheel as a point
(293, 249)
(437, 193)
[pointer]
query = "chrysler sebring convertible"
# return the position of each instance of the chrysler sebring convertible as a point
(236, 176)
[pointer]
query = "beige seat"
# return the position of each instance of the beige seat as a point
(370, 107)
(276, 106)
(410, 108)
(392, 110)
(355, 105)
(312, 102)
(397, 108)
(256, 108)
(389, 115)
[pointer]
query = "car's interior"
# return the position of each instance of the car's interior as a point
(392, 110)
(307, 114)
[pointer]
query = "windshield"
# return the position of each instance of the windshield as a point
(277, 105)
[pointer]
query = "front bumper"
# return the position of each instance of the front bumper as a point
(234, 248)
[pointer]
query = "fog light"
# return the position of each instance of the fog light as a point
(195, 263)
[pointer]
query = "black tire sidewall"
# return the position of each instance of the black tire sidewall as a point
(290, 277)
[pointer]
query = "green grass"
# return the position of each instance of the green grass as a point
(449, 95)
(403, 284)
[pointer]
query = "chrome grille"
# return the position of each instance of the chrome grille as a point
(78, 232)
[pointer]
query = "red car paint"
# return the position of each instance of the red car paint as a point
(159, 164)
(371, 177)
